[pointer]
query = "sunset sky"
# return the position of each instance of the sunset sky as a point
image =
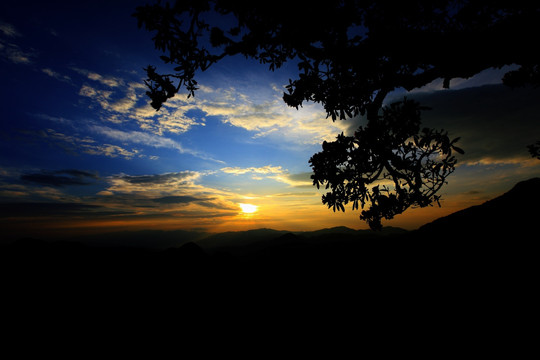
(82, 151)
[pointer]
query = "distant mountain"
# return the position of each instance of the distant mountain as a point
(146, 239)
(515, 213)
(481, 246)
(499, 228)
(239, 238)
(265, 240)
(345, 231)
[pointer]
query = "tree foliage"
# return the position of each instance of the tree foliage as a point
(351, 54)
(393, 150)
(534, 150)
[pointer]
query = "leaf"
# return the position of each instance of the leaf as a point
(458, 149)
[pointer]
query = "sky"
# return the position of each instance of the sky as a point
(82, 151)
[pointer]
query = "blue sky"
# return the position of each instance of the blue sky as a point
(81, 146)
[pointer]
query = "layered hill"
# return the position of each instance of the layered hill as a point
(500, 231)
(512, 215)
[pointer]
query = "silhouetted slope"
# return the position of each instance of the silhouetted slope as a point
(250, 241)
(493, 239)
(147, 239)
(516, 212)
(239, 238)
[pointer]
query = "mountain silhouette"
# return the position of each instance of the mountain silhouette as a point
(515, 213)
(468, 265)
(499, 231)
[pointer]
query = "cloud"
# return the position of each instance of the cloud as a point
(300, 180)
(179, 199)
(489, 76)
(87, 145)
(109, 81)
(16, 54)
(266, 115)
(276, 173)
(147, 139)
(43, 208)
(56, 119)
(167, 183)
(260, 110)
(495, 123)
(109, 150)
(57, 209)
(102, 97)
(125, 101)
(174, 193)
(8, 30)
(60, 178)
(172, 117)
(56, 75)
(13, 52)
(139, 137)
(268, 169)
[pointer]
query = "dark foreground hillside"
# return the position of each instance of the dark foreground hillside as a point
(451, 287)
(500, 231)
(488, 246)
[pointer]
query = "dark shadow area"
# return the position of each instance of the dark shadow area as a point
(490, 242)
(470, 276)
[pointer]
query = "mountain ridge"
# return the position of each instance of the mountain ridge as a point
(515, 211)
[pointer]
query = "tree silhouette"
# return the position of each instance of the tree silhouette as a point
(534, 149)
(351, 54)
(392, 148)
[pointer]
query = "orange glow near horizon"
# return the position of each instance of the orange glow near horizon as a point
(272, 212)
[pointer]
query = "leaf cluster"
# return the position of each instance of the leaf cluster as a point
(389, 165)
(534, 150)
(350, 53)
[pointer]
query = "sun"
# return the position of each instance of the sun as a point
(248, 208)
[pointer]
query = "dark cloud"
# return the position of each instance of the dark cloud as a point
(158, 178)
(78, 173)
(218, 205)
(61, 178)
(493, 121)
(210, 203)
(182, 199)
(31, 209)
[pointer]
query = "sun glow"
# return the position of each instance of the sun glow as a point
(248, 208)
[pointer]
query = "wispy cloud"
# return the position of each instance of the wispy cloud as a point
(148, 139)
(60, 178)
(270, 117)
(15, 54)
(8, 30)
(109, 81)
(276, 173)
(11, 51)
(301, 180)
(87, 145)
(495, 127)
(168, 183)
(124, 101)
(56, 75)
(265, 114)
(268, 169)
(178, 192)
